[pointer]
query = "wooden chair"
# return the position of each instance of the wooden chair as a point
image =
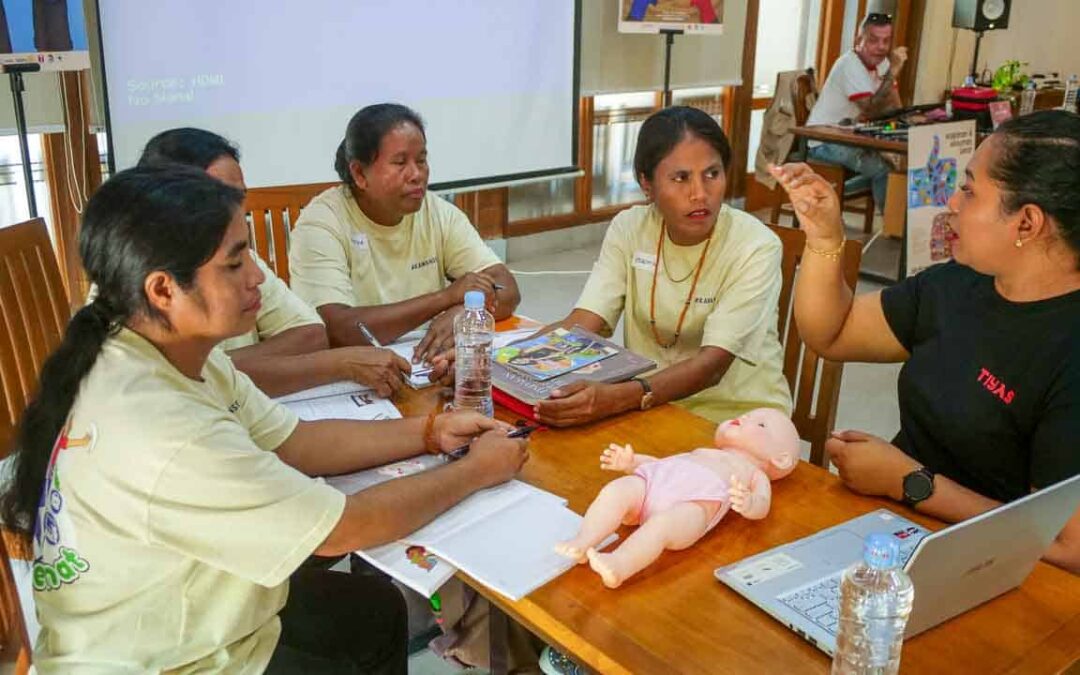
(272, 213)
(814, 382)
(805, 96)
(34, 310)
(15, 647)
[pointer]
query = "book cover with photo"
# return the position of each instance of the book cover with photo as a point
(552, 354)
(619, 365)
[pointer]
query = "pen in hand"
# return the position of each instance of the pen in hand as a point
(372, 340)
(462, 450)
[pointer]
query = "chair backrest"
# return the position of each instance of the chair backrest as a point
(805, 96)
(272, 213)
(34, 310)
(814, 382)
(15, 644)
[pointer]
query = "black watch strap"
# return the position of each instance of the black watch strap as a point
(645, 386)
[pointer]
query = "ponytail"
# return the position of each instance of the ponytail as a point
(48, 411)
(341, 164)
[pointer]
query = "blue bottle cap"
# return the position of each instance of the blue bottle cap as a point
(474, 300)
(881, 552)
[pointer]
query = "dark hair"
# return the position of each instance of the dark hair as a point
(146, 219)
(187, 145)
(666, 128)
(365, 132)
(1038, 162)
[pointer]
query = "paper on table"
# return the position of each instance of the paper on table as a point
(332, 389)
(361, 480)
(513, 551)
(358, 405)
(412, 565)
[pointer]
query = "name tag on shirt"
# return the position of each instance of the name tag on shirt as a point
(359, 241)
(644, 261)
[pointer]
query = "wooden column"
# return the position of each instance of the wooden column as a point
(830, 34)
(487, 209)
(73, 171)
(911, 14)
(584, 185)
(741, 106)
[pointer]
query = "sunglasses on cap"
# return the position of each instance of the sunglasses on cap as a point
(877, 19)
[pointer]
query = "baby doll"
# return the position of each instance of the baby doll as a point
(677, 499)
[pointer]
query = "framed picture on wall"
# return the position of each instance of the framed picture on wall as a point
(686, 16)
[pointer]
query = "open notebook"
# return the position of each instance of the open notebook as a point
(502, 536)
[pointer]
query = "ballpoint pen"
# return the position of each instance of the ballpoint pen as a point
(368, 335)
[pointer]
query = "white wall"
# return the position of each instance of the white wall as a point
(1040, 32)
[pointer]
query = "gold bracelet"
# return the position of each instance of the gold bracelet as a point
(831, 255)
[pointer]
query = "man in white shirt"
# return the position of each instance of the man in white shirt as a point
(861, 85)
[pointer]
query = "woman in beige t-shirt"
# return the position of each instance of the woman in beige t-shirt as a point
(381, 250)
(696, 283)
(169, 502)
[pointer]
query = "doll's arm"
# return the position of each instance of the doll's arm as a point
(622, 458)
(753, 500)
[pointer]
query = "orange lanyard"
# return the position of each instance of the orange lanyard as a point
(689, 296)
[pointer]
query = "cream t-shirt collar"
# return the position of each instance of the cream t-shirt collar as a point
(719, 236)
(362, 223)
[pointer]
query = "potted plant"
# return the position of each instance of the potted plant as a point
(1008, 77)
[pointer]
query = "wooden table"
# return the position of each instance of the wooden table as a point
(845, 136)
(674, 617)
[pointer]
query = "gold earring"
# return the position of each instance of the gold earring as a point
(1019, 242)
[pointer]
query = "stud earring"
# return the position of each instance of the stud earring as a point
(1019, 242)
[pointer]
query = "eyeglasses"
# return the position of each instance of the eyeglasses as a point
(877, 19)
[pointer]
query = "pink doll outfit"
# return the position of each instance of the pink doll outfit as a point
(678, 479)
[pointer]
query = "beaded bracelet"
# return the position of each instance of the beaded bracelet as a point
(831, 255)
(430, 442)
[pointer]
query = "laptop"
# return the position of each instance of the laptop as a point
(953, 569)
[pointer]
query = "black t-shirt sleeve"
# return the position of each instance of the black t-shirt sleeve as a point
(900, 304)
(1055, 455)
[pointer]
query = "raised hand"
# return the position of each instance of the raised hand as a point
(816, 204)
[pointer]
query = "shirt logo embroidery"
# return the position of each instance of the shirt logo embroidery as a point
(360, 241)
(995, 386)
(234, 406)
(423, 263)
(705, 301)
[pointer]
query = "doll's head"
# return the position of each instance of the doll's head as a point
(767, 435)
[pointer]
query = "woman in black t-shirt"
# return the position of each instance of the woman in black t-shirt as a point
(989, 392)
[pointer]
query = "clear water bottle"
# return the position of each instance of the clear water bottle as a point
(473, 332)
(875, 602)
(1027, 98)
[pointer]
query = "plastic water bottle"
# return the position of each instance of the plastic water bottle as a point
(875, 602)
(473, 332)
(1027, 98)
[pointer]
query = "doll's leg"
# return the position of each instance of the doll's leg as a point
(616, 500)
(675, 528)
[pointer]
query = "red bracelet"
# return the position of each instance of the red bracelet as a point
(431, 444)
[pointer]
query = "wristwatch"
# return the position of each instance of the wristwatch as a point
(918, 486)
(646, 394)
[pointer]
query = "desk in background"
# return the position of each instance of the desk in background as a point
(674, 617)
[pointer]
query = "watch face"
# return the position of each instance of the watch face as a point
(993, 9)
(917, 486)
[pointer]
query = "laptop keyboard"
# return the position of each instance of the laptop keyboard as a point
(819, 601)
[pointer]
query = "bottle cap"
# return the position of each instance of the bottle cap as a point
(881, 552)
(474, 300)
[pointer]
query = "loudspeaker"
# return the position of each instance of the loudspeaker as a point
(981, 14)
